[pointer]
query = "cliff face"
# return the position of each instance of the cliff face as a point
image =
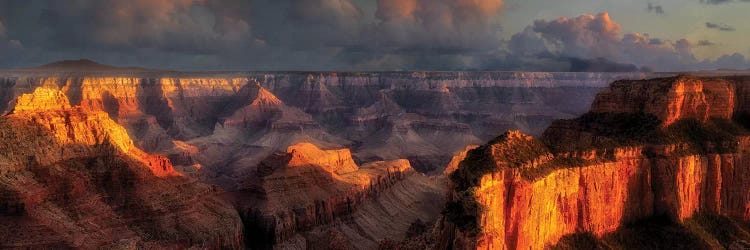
(520, 193)
(670, 99)
(421, 116)
(260, 136)
(305, 187)
(72, 178)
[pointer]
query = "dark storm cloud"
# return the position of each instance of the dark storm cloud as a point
(324, 35)
(719, 26)
(138, 31)
(261, 34)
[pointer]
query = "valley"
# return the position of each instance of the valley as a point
(301, 160)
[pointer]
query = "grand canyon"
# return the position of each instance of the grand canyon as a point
(374, 124)
(103, 157)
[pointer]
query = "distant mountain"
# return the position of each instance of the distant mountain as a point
(84, 65)
(76, 64)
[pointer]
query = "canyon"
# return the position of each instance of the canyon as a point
(105, 157)
(302, 159)
(72, 178)
(657, 163)
(421, 116)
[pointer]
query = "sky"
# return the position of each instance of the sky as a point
(380, 35)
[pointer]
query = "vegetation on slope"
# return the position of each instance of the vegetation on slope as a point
(699, 232)
(605, 132)
(611, 130)
(510, 150)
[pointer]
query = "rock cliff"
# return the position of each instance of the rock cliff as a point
(305, 187)
(266, 138)
(420, 116)
(72, 178)
(673, 148)
(670, 99)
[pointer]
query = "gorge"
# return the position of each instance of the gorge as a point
(389, 160)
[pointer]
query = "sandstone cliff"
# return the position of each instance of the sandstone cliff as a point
(72, 178)
(228, 128)
(306, 187)
(671, 147)
(420, 116)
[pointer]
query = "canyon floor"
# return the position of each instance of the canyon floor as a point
(103, 157)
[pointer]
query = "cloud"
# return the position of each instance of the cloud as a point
(182, 25)
(602, 65)
(733, 61)
(129, 32)
(309, 24)
(527, 43)
(719, 26)
(326, 35)
(466, 24)
(588, 38)
(593, 36)
(705, 43)
(658, 9)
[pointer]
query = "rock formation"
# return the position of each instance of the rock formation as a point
(287, 148)
(456, 160)
(305, 187)
(672, 148)
(72, 178)
(420, 116)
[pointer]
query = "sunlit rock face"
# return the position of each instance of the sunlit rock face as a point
(310, 160)
(306, 187)
(456, 159)
(73, 178)
(672, 147)
(421, 116)
(670, 99)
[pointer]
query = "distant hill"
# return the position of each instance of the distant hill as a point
(84, 65)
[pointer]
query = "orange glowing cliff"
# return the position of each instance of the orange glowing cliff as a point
(72, 178)
(656, 164)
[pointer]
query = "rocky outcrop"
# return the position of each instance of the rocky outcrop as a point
(72, 178)
(670, 99)
(372, 113)
(657, 148)
(335, 161)
(225, 128)
(456, 159)
(305, 187)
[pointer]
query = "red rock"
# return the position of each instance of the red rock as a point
(306, 187)
(72, 178)
(670, 99)
(511, 194)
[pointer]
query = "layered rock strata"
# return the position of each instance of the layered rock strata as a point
(658, 148)
(305, 187)
(381, 116)
(72, 178)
